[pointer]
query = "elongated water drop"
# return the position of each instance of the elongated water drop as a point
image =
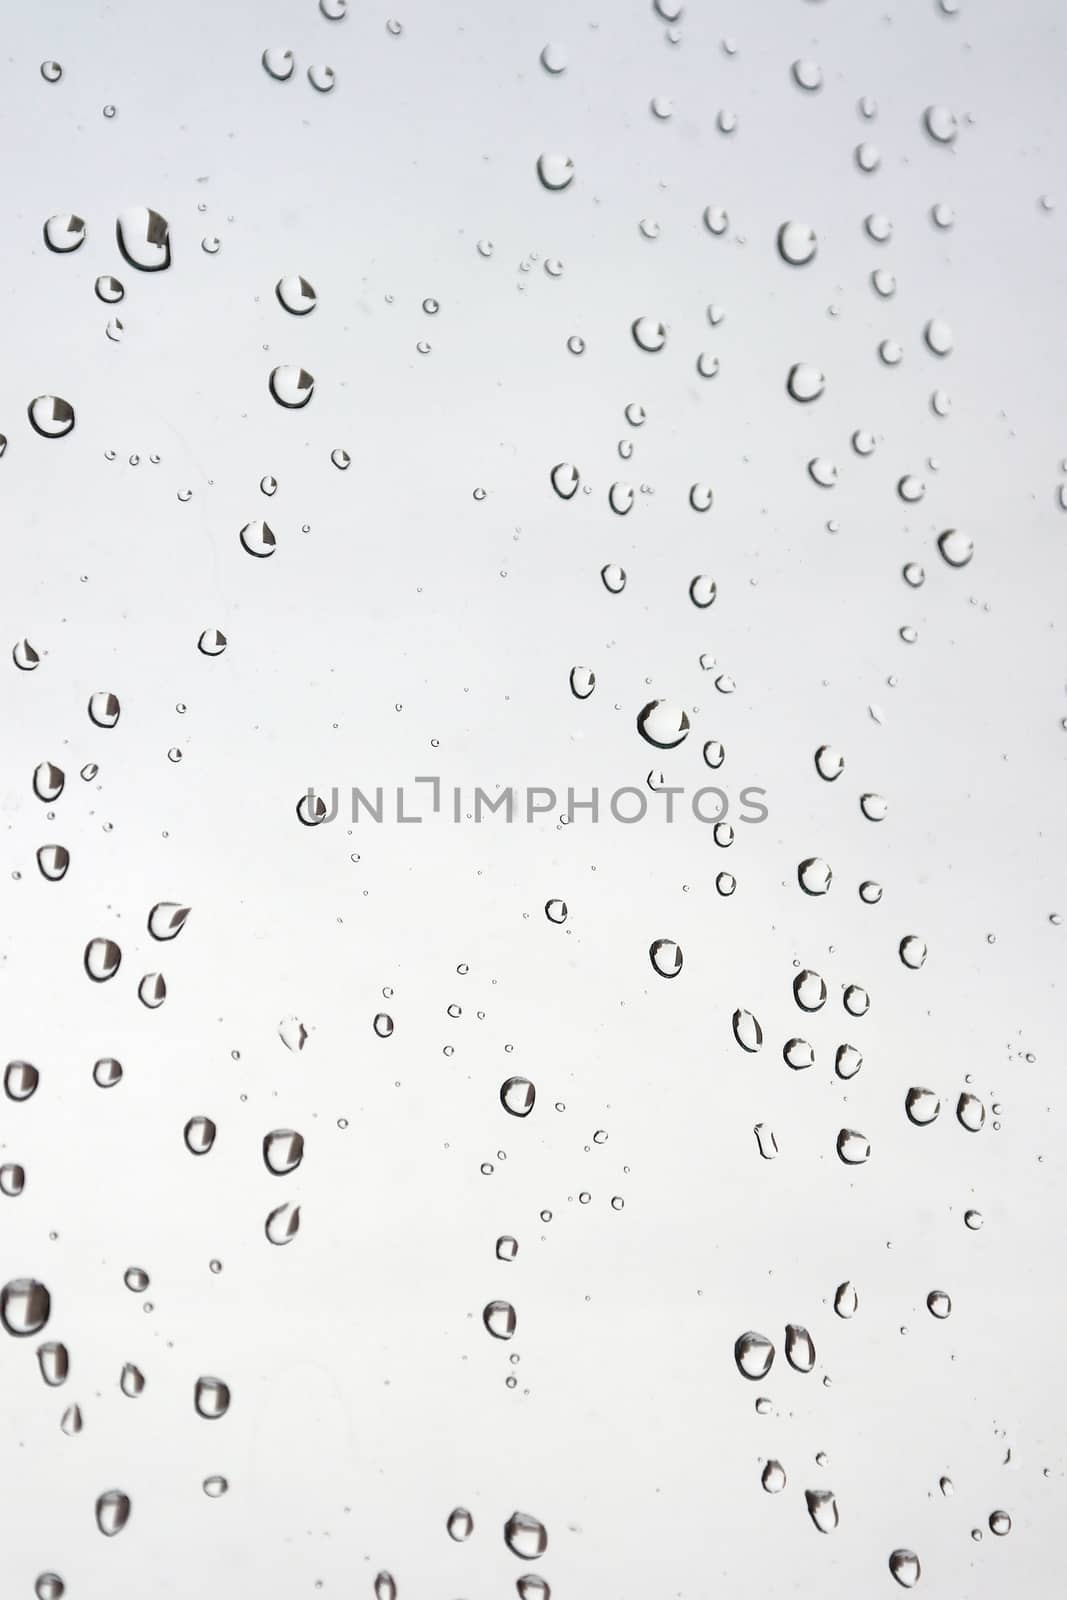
(112, 1512)
(283, 1151)
(747, 1031)
(460, 1524)
(904, 1565)
(799, 1348)
(822, 1509)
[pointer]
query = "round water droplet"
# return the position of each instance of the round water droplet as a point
(282, 1224)
(904, 1565)
(798, 1054)
(867, 157)
(102, 959)
(499, 1319)
(136, 1279)
(460, 1524)
(829, 763)
(525, 1537)
(215, 1486)
(999, 1523)
(112, 1512)
(970, 1112)
(912, 952)
(846, 1300)
(890, 353)
(753, 1353)
(613, 578)
(874, 807)
(104, 709)
(847, 1061)
(701, 497)
(291, 387)
(809, 990)
(144, 239)
(295, 295)
(583, 682)
(556, 172)
(747, 1031)
(822, 471)
(663, 723)
(48, 781)
(773, 1477)
(814, 876)
(853, 1148)
(51, 71)
(64, 232)
(956, 547)
(807, 75)
(922, 1106)
(799, 1348)
(804, 382)
(383, 1025)
(49, 1586)
(707, 365)
(21, 1079)
(278, 64)
(322, 77)
(51, 416)
(565, 480)
(554, 59)
(941, 124)
(620, 498)
(211, 1398)
(857, 1001)
(517, 1096)
(107, 1072)
(199, 1135)
(973, 1220)
(666, 957)
(938, 1304)
(258, 539)
(283, 1151)
(797, 243)
(648, 334)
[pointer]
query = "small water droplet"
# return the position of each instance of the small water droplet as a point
(282, 1224)
(956, 547)
(666, 957)
(112, 1512)
(853, 1148)
(64, 232)
(846, 1300)
(809, 990)
(904, 1565)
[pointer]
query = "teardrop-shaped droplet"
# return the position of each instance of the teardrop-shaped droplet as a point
(51, 416)
(583, 682)
(460, 1524)
(53, 861)
(747, 1031)
(144, 239)
(131, 1381)
(814, 876)
(71, 1421)
(102, 959)
(295, 295)
(773, 1477)
(152, 990)
(753, 1353)
(517, 1096)
(499, 1319)
(555, 171)
(292, 387)
(809, 990)
(283, 1224)
(799, 1348)
(167, 919)
(199, 1134)
(54, 1362)
(904, 1565)
(112, 1512)
(822, 1509)
(846, 1300)
(666, 957)
(385, 1586)
(970, 1112)
(283, 1151)
(211, 1398)
(25, 656)
(853, 1148)
(663, 723)
(64, 232)
(922, 1106)
(525, 1537)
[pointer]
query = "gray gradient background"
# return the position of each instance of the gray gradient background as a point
(367, 1398)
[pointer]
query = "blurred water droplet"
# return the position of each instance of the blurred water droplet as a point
(973, 1220)
(49, 1586)
(555, 171)
(51, 71)
(136, 1279)
(867, 157)
(707, 364)
(904, 1565)
(753, 1353)
(822, 471)
(941, 124)
(554, 59)
(797, 243)
(278, 63)
(807, 75)
(666, 957)
(531, 1587)
(282, 1224)
(525, 1537)
(112, 1512)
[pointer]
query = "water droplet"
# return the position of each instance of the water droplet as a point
(707, 365)
(904, 1565)
(956, 547)
(807, 75)
(846, 1300)
(104, 709)
(385, 1586)
(131, 1381)
(322, 77)
(20, 1080)
(211, 1398)
(278, 64)
(144, 239)
(555, 911)
(773, 1477)
(912, 952)
(922, 1106)
(507, 1248)
(583, 682)
(531, 1587)
(970, 1113)
(554, 59)
(499, 1319)
(383, 1025)
(51, 71)
(283, 1151)
(938, 1304)
(282, 1224)
(890, 353)
(666, 957)
(107, 1072)
(941, 124)
(799, 1348)
(999, 1523)
(291, 387)
(556, 172)
(54, 1362)
(51, 416)
(663, 723)
(49, 1586)
(460, 1524)
(822, 1509)
(973, 1220)
(258, 539)
(613, 578)
(805, 382)
(798, 1054)
(809, 990)
(853, 1148)
(649, 334)
(112, 1512)
(102, 959)
(136, 1279)
(878, 227)
(525, 1537)
(295, 295)
(152, 990)
(797, 243)
(856, 1000)
(822, 471)
(874, 807)
(747, 1031)
(753, 1353)
(620, 498)
(517, 1096)
(565, 480)
(867, 157)
(814, 876)
(64, 232)
(766, 1143)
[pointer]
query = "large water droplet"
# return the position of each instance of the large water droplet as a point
(904, 1565)
(49, 1586)
(666, 957)
(258, 539)
(199, 1134)
(799, 1348)
(517, 1096)
(104, 709)
(292, 387)
(822, 1509)
(649, 334)
(809, 990)
(20, 1080)
(797, 243)
(922, 1106)
(807, 75)
(912, 951)
(102, 959)
(524, 1536)
(499, 1319)
(555, 171)
(296, 295)
(999, 1523)
(970, 1112)
(814, 876)
(941, 124)
(805, 382)
(278, 63)
(663, 723)
(144, 239)
(938, 1304)
(53, 861)
(64, 232)
(51, 416)
(554, 59)
(956, 547)
(211, 1398)
(107, 1072)
(152, 990)
(747, 1031)
(131, 1381)
(385, 1586)
(583, 682)
(112, 1512)
(853, 1148)
(753, 1353)
(565, 480)
(283, 1151)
